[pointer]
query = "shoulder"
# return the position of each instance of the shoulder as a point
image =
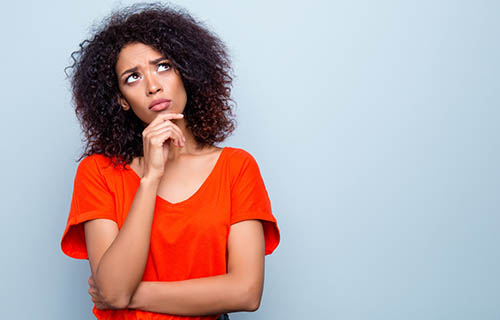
(94, 160)
(239, 159)
(241, 163)
(95, 164)
(96, 171)
(239, 154)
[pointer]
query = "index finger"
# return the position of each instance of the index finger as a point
(163, 117)
(166, 116)
(171, 115)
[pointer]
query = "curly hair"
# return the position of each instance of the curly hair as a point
(198, 54)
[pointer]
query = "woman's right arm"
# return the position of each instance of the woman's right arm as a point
(118, 257)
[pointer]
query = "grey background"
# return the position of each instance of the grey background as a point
(374, 123)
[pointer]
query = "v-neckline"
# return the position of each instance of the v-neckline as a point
(196, 193)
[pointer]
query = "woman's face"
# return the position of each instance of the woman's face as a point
(145, 75)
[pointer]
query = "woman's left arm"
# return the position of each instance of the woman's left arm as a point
(238, 290)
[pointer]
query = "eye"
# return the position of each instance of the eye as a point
(132, 75)
(167, 65)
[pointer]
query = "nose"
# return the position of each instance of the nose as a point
(153, 86)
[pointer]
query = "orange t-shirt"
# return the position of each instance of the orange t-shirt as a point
(188, 238)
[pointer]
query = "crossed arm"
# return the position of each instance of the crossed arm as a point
(238, 290)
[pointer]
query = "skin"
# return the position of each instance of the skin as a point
(241, 288)
(150, 82)
(138, 89)
(238, 290)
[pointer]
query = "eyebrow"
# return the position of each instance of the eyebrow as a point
(134, 69)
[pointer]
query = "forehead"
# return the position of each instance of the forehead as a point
(135, 54)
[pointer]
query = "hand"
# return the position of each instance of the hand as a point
(97, 298)
(156, 139)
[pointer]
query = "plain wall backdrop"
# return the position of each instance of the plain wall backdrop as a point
(375, 125)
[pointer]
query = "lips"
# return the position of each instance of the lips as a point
(159, 104)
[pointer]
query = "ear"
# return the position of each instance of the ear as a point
(123, 102)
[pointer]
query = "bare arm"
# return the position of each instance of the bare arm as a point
(238, 290)
(118, 257)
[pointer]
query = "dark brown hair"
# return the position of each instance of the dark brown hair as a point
(198, 54)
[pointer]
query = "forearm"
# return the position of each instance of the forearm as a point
(121, 267)
(193, 297)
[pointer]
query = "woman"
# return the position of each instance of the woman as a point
(173, 226)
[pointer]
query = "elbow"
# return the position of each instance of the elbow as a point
(121, 304)
(253, 305)
(117, 302)
(253, 296)
(112, 295)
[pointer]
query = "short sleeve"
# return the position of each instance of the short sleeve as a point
(91, 199)
(250, 200)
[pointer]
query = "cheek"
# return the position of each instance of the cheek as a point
(131, 93)
(176, 82)
(181, 91)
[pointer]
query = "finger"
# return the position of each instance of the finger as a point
(167, 123)
(179, 132)
(176, 136)
(104, 306)
(172, 115)
(167, 116)
(179, 135)
(162, 124)
(162, 137)
(161, 118)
